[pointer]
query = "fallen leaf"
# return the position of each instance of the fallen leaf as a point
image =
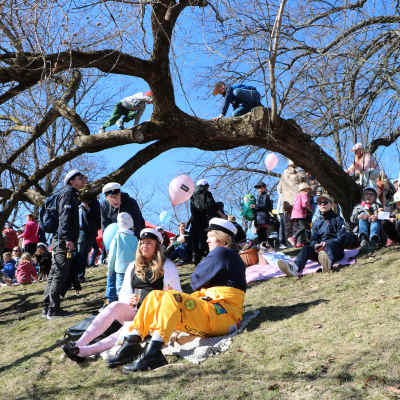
(274, 386)
(317, 326)
(357, 334)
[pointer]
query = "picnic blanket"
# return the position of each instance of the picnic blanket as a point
(193, 348)
(271, 270)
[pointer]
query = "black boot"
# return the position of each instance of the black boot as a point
(128, 351)
(152, 358)
(72, 351)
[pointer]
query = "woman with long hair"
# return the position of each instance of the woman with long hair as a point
(215, 308)
(151, 270)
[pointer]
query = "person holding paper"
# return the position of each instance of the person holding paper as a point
(391, 226)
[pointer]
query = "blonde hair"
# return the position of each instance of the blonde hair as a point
(26, 257)
(156, 264)
(222, 237)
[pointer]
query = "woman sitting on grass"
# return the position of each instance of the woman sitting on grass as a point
(151, 270)
(215, 308)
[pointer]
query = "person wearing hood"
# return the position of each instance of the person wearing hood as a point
(365, 215)
(328, 239)
(202, 209)
(122, 253)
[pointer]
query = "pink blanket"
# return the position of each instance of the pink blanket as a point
(264, 272)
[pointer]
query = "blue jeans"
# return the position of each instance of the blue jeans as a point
(368, 229)
(113, 286)
(247, 100)
(180, 251)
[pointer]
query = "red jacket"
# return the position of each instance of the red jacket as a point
(11, 238)
(25, 272)
(30, 233)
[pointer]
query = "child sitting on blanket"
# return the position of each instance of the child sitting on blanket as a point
(328, 239)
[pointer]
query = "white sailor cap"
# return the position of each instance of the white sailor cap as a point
(109, 187)
(70, 175)
(150, 233)
(201, 182)
(220, 224)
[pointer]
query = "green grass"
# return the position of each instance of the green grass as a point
(334, 336)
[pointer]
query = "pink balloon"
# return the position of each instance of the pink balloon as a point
(180, 189)
(271, 161)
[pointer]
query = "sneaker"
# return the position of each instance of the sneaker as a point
(292, 241)
(282, 246)
(364, 244)
(53, 314)
(101, 130)
(288, 268)
(45, 312)
(324, 260)
(120, 124)
(373, 243)
(389, 242)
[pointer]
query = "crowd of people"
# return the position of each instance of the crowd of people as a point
(143, 286)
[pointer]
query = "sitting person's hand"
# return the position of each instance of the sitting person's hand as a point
(133, 299)
(373, 218)
(363, 216)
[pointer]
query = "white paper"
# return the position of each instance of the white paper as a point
(383, 215)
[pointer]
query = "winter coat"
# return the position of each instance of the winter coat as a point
(263, 208)
(171, 280)
(30, 233)
(68, 214)
(300, 206)
(11, 238)
(328, 226)
(230, 98)
(364, 208)
(136, 102)
(89, 219)
(122, 251)
(202, 206)
(25, 272)
(128, 204)
(287, 186)
(9, 269)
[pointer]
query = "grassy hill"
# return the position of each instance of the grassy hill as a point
(333, 336)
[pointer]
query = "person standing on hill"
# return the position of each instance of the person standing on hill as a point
(262, 208)
(30, 234)
(127, 109)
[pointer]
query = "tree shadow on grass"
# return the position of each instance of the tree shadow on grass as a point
(277, 313)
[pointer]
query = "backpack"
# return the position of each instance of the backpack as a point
(247, 212)
(48, 214)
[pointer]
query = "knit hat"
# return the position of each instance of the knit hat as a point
(202, 182)
(150, 233)
(70, 175)
(303, 186)
(357, 146)
(109, 187)
(396, 197)
(124, 221)
(220, 224)
(44, 245)
(371, 189)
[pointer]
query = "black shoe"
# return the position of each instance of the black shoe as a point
(72, 351)
(152, 358)
(52, 314)
(45, 311)
(128, 351)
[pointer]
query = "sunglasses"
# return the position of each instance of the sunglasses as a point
(323, 203)
(111, 192)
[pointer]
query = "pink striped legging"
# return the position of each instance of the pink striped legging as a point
(117, 310)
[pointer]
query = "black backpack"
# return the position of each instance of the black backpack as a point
(48, 214)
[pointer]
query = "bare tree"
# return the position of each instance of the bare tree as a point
(136, 39)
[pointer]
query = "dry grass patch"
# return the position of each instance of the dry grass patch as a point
(321, 337)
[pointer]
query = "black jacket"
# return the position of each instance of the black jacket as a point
(89, 219)
(263, 208)
(68, 214)
(128, 204)
(328, 226)
(202, 205)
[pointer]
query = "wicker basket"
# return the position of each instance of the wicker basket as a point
(249, 256)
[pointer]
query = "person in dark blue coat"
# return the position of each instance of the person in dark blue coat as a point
(329, 237)
(262, 208)
(116, 202)
(243, 98)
